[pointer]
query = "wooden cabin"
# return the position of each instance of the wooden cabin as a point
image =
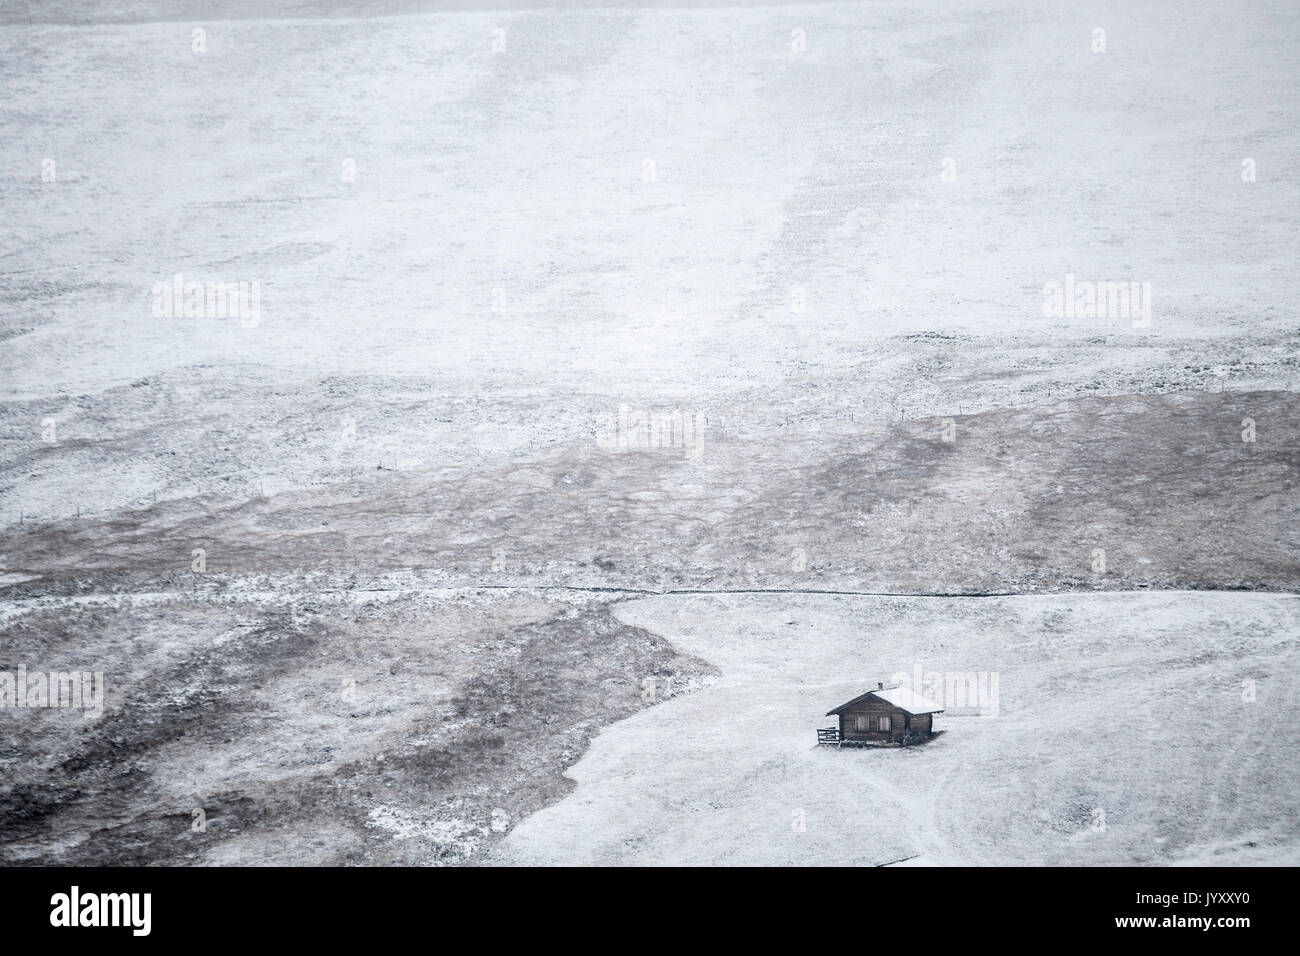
(884, 717)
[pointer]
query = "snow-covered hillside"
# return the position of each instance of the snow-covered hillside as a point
(965, 297)
(1122, 734)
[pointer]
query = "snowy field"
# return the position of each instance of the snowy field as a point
(478, 236)
(1120, 736)
(513, 182)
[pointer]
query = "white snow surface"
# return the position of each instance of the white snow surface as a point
(522, 171)
(1123, 737)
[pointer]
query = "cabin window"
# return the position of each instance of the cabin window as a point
(884, 724)
(862, 724)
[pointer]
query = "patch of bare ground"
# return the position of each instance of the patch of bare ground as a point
(1019, 499)
(309, 730)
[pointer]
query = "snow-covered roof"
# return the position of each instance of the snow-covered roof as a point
(907, 702)
(900, 697)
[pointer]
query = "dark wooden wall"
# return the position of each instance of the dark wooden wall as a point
(874, 707)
